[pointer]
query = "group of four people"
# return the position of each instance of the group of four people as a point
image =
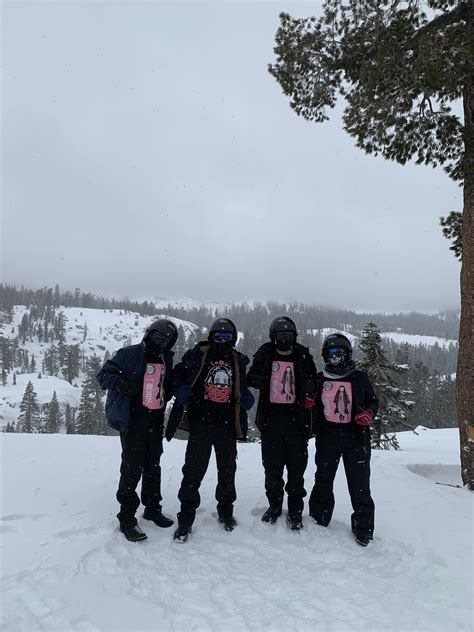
(211, 390)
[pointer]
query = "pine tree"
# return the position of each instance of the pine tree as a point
(54, 416)
(420, 385)
(51, 361)
(32, 363)
(29, 418)
(91, 414)
(383, 374)
(70, 369)
(69, 419)
(400, 67)
(4, 377)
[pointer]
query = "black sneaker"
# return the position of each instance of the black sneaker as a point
(133, 532)
(182, 534)
(271, 515)
(294, 522)
(362, 539)
(228, 522)
(157, 517)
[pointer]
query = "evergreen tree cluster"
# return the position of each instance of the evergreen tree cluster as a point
(421, 372)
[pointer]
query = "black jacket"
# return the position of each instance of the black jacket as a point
(187, 372)
(363, 397)
(128, 364)
(305, 379)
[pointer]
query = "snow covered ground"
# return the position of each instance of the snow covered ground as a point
(65, 566)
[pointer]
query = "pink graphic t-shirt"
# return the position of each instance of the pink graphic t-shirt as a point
(282, 383)
(337, 401)
(218, 382)
(152, 395)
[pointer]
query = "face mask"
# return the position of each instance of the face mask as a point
(157, 344)
(284, 342)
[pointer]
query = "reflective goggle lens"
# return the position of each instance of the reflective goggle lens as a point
(336, 352)
(222, 336)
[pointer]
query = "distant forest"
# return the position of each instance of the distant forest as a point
(429, 367)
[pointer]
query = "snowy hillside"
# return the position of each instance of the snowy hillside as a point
(397, 336)
(96, 331)
(66, 567)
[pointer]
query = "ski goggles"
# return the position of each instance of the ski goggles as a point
(222, 336)
(336, 352)
(157, 336)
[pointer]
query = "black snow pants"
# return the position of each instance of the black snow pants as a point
(142, 447)
(353, 444)
(284, 444)
(202, 438)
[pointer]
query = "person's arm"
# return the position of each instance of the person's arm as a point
(370, 400)
(247, 400)
(255, 376)
(110, 376)
(179, 382)
(369, 408)
(310, 372)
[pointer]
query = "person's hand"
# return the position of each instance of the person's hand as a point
(309, 386)
(184, 395)
(247, 401)
(309, 402)
(365, 417)
(130, 388)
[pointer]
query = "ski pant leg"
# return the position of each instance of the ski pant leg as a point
(151, 477)
(225, 446)
(328, 454)
(296, 462)
(356, 458)
(198, 452)
(273, 459)
(133, 457)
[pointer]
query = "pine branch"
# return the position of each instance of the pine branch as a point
(438, 23)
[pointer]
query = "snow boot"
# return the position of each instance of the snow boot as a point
(294, 521)
(271, 515)
(181, 534)
(133, 532)
(228, 522)
(362, 538)
(157, 517)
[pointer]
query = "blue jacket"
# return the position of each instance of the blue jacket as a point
(127, 365)
(187, 372)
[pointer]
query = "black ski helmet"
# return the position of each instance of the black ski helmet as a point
(223, 324)
(337, 340)
(282, 324)
(164, 327)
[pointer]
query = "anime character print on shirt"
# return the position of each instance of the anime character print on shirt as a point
(282, 383)
(218, 382)
(152, 395)
(337, 401)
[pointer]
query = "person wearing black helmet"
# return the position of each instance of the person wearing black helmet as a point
(284, 373)
(137, 379)
(211, 403)
(345, 406)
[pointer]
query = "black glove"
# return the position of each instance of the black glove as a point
(255, 381)
(130, 388)
(184, 395)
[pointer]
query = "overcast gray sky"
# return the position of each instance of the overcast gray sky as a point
(146, 151)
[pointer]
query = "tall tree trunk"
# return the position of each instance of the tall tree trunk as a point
(465, 368)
